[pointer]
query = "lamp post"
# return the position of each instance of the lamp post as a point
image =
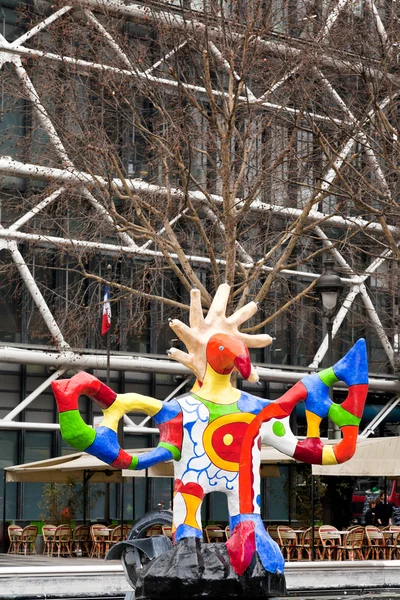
(329, 285)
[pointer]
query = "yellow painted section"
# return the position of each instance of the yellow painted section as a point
(217, 388)
(125, 403)
(328, 456)
(192, 504)
(313, 422)
(227, 439)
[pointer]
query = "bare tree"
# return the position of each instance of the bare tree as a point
(196, 143)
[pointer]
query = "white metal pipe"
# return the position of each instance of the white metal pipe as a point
(280, 45)
(331, 20)
(382, 414)
(40, 26)
(164, 58)
(36, 210)
(97, 25)
(12, 167)
(37, 296)
(375, 320)
(12, 355)
(22, 425)
(338, 320)
(379, 25)
(42, 113)
(158, 80)
(112, 249)
(22, 405)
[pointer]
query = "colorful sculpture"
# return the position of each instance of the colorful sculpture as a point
(214, 433)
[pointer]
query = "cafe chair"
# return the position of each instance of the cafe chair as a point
(305, 546)
(48, 532)
(80, 543)
(154, 530)
(100, 537)
(214, 533)
(26, 544)
(376, 545)
(14, 535)
(273, 532)
(288, 542)
(167, 531)
(330, 540)
(227, 532)
(352, 546)
(62, 541)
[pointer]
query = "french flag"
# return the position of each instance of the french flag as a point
(106, 316)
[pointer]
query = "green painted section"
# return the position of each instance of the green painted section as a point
(342, 417)
(173, 449)
(134, 463)
(278, 429)
(218, 410)
(75, 431)
(328, 376)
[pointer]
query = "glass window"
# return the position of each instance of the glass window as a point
(9, 457)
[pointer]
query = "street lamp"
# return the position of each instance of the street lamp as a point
(329, 285)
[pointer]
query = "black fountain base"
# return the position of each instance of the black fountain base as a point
(192, 570)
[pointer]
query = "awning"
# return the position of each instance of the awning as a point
(373, 456)
(73, 467)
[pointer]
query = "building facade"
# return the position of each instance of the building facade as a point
(154, 146)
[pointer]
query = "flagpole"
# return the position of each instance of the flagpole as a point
(109, 269)
(108, 340)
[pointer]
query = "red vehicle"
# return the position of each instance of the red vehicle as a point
(370, 486)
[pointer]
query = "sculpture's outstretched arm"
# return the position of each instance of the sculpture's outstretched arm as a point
(102, 442)
(201, 329)
(273, 420)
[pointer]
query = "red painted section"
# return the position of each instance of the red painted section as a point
(309, 451)
(67, 391)
(355, 400)
(241, 546)
(346, 448)
(172, 431)
(272, 411)
(243, 365)
(292, 397)
(222, 351)
(123, 460)
(229, 452)
(189, 488)
(105, 396)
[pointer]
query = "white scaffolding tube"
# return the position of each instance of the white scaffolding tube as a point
(383, 413)
(159, 81)
(40, 26)
(10, 166)
(78, 361)
(36, 210)
(37, 296)
(22, 405)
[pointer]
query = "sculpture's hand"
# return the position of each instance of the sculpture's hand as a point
(201, 329)
(102, 442)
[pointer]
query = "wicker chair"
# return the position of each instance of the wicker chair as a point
(227, 532)
(48, 538)
(100, 536)
(330, 540)
(376, 545)
(305, 546)
(167, 531)
(80, 543)
(288, 542)
(352, 546)
(62, 541)
(14, 534)
(26, 544)
(214, 533)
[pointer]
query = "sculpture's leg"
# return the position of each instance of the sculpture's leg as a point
(188, 499)
(248, 535)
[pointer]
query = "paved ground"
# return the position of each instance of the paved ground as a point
(38, 560)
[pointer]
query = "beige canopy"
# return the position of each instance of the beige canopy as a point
(373, 457)
(72, 467)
